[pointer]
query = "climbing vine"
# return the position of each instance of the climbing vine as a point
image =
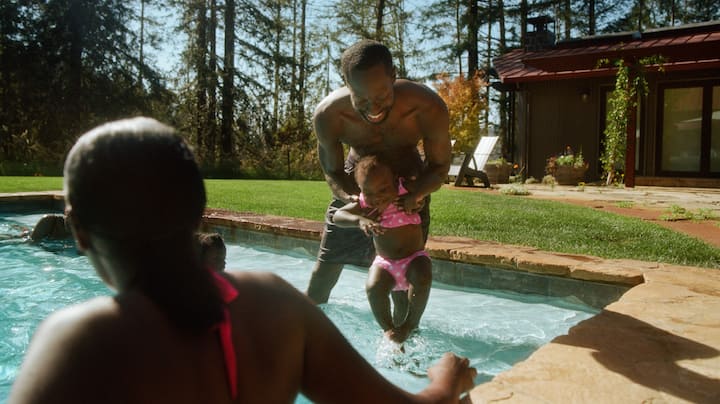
(621, 104)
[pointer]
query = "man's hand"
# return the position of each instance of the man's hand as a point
(410, 203)
(370, 227)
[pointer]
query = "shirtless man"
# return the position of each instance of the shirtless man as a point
(375, 113)
(176, 332)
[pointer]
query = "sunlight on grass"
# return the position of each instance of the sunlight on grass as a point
(511, 219)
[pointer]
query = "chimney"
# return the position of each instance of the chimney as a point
(540, 37)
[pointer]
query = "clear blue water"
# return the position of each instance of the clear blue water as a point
(495, 329)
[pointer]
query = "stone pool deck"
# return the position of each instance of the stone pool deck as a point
(659, 343)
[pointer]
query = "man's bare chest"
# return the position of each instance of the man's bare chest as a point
(383, 136)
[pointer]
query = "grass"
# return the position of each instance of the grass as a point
(547, 225)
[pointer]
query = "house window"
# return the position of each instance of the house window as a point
(690, 130)
(682, 111)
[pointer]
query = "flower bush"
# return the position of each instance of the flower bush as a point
(568, 159)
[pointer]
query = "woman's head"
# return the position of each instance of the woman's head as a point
(133, 179)
(376, 180)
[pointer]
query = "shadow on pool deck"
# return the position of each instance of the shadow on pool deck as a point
(660, 342)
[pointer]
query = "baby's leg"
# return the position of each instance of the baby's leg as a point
(378, 287)
(419, 276)
(400, 306)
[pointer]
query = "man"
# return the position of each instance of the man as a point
(176, 332)
(375, 113)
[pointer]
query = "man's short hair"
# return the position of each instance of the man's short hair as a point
(364, 55)
(134, 179)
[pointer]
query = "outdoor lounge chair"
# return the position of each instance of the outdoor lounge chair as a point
(464, 173)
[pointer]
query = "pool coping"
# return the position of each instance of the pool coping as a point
(660, 341)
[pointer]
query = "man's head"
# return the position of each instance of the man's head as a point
(212, 250)
(133, 181)
(369, 74)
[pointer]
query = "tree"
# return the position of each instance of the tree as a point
(464, 108)
(228, 76)
(66, 66)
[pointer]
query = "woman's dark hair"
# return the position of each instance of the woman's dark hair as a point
(135, 184)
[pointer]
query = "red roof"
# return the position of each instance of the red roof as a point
(689, 47)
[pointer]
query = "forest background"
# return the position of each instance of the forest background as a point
(240, 78)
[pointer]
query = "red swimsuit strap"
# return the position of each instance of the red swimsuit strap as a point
(228, 293)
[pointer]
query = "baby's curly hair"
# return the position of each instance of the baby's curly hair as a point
(370, 165)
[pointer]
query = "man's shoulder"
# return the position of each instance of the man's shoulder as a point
(336, 101)
(416, 93)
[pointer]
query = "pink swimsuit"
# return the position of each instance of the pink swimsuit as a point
(393, 217)
(228, 294)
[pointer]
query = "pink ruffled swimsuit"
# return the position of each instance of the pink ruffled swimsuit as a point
(393, 217)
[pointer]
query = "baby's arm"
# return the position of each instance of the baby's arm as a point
(352, 215)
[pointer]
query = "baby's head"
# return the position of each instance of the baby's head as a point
(212, 251)
(376, 180)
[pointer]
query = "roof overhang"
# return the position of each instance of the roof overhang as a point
(686, 48)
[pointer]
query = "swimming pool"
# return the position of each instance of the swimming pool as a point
(494, 329)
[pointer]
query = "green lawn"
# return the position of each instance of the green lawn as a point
(548, 225)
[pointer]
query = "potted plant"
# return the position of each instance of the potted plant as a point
(498, 171)
(568, 168)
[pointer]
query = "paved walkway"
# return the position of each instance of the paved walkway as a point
(661, 198)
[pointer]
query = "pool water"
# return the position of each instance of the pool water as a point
(495, 329)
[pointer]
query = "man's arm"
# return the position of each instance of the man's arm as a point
(332, 156)
(434, 122)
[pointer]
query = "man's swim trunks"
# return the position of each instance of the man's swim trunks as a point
(228, 294)
(398, 268)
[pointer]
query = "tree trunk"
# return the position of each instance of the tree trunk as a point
(488, 63)
(523, 23)
(379, 20)
(201, 69)
(142, 44)
(76, 16)
(303, 63)
(504, 110)
(591, 17)
(212, 85)
(472, 40)
(276, 69)
(295, 63)
(458, 35)
(228, 90)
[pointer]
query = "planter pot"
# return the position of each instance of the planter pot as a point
(568, 175)
(498, 173)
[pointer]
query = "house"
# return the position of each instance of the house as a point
(559, 96)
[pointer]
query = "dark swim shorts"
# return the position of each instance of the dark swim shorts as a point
(343, 245)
